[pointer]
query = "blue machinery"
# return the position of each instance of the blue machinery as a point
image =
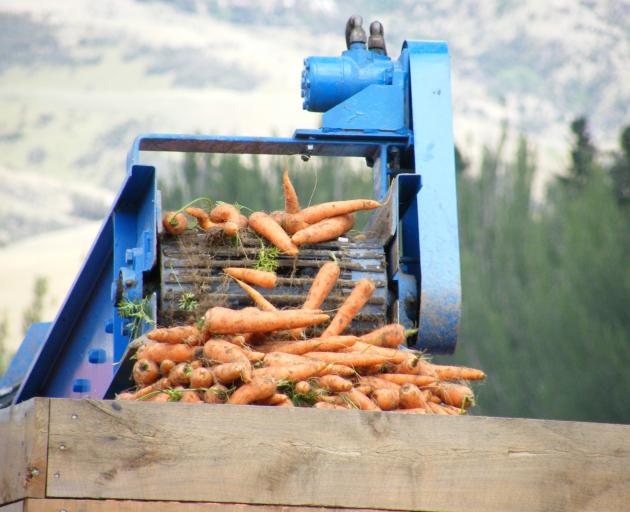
(395, 114)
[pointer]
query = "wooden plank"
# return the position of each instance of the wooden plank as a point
(74, 505)
(23, 450)
(248, 454)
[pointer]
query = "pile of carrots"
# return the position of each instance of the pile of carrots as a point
(286, 230)
(259, 355)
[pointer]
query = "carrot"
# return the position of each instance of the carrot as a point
(291, 202)
(303, 346)
(158, 352)
(303, 387)
(166, 366)
(257, 389)
(315, 213)
(353, 359)
(159, 397)
(378, 383)
(415, 365)
(230, 228)
(145, 372)
(253, 356)
(393, 355)
(338, 369)
(260, 301)
(229, 321)
(326, 405)
(203, 219)
(436, 408)
(366, 389)
(324, 230)
(455, 394)
(173, 223)
(359, 400)
(275, 399)
(241, 222)
(181, 334)
(456, 372)
(221, 351)
(331, 399)
(225, 213)
(283, 359)
(268, 228)
(335, 383)
(260, 278)
(201, 378)
(411, 397)
(180, 374)
(227, 373)
(291, 223)
(217, 394)
(401, 378)
(161, 384)
(125, 395)
(190, 397)
(321, 287)
(293, 373)
(386, 399)
(391, 336)
(359, 296)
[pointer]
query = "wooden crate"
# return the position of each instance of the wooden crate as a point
(87, 455)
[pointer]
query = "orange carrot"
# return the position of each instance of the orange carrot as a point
(145, 372)
(227, 373)
(315, 213)
(291, 202)
(378, 383)
(353, 359)
(166, 366)
(225, 213)
(125, 396)
(293, 373)
(331, 399)
(300, 347)
(324, 230)
(360, 400)
(203, 219)
(257, 389)
(366, 389)
(411, 411)
(181, 334)
(283, 359)
(359, 296)
(386, 399)
(415, 365)
(221, 351)
(268, 228)
(260, 301)
(230, 228)
(180, 374)
(260, 278)
(190, 397)
(401, 378)
(302, 387)
(411, 397)
(338, 369)
(173, 223)
(229, 321)
(291, 223)
(217, 394)
(159, 397)
(156, 386)
(335, 383)
(436, 408)
(391, 336)
(158, 352)
(201, 378)
(253, 356)
(457, 372)
(393, 355)
(275, 399)
(455, 394)
(321, 287)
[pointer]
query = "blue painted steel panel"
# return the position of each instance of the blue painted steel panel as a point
(440, 298)
(23, 357)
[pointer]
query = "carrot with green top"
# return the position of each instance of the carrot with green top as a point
(145, 372)
(174, 223)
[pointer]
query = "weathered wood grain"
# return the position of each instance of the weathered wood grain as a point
(23, 450)
(247, 454)
(74, 505)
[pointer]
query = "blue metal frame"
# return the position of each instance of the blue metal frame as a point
(379, 108)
